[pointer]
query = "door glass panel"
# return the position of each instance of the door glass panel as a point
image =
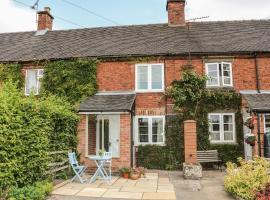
(106, 135)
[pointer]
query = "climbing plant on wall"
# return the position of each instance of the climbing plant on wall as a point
(12, 72)
(192, 100)
(70, 79)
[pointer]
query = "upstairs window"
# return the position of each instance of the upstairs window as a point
(149, 77)
(33, 82)
(222, 127)
(219, 74)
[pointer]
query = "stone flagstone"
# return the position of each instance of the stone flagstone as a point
(159, 195)
(138, 189)
(114, 193)
(66, 191)
(92, 192)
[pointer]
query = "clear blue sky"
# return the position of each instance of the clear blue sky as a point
(122, 11)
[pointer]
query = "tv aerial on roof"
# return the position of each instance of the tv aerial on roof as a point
(35, 6)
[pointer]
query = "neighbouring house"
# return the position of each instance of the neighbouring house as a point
(138, 62)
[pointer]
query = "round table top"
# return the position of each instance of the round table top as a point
(99, 157)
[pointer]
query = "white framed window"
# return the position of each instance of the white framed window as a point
(32, 81)
(219, 74)
(222, 127)
(149, 77)
(150, 130)
(267, 123)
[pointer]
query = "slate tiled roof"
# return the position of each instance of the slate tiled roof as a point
(138, 40)
(258, 102)
(108, 103)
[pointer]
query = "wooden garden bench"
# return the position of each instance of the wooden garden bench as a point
(210, 156)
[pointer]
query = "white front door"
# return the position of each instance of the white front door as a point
(108, 132)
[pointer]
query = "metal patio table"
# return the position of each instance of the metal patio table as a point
(101, 171)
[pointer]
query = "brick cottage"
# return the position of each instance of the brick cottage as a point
(139, 62)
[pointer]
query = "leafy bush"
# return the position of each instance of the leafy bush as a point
(38, 191)
(73, 80)
(11, 72)
(29, 128)
(251, 176)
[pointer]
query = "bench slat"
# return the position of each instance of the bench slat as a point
(208, 156)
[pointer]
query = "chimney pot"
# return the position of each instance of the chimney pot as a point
(176, 12)
(45, 19)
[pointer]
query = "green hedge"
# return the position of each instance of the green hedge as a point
(30, 128)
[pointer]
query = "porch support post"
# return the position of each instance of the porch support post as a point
(86, 134)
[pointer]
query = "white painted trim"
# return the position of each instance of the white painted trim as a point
(206, 72)
(231, 77)
(149, 79)
(115, 93)
(86, 135)
(136, 133)
(37, 84)
(254, 92)
(221, 123)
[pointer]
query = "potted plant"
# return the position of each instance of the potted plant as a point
(101, 152)
(250, 139)
(140, 171)
(125, 172)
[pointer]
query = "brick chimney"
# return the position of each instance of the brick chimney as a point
(176, 12)
(45, 19)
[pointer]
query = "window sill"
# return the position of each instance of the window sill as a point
(223, 143)
(145, 144)
(149, 91)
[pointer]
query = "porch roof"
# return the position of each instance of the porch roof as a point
(102, 103)
(258, 102)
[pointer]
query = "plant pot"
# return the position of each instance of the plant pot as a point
(125, 175)
(134, 176)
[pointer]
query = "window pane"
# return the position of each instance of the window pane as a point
(226, 73)
(142, 77)
(143, 130)
(227, 119)
(228, 127)
(212, 73)
(156, 77)
(214, 118)
(31, 82)
(215, 136)
(228, 136)
(215, 127)
(157, 130)
(267, 123)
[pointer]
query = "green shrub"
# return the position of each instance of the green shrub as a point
(72, 80)
(31, 127)
(251, 176)
(12, 72)
(38, 191)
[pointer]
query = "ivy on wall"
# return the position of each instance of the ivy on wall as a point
(192, 100)
(70, 79)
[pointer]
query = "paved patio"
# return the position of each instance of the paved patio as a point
(158, 185)
(154, 187)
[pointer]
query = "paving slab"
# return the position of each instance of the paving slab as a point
(92, 192)
(66, 191)
(112, 193)
(159, 195)
(138, 189)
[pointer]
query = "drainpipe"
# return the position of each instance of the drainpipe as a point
(259, 133)
(258, 84)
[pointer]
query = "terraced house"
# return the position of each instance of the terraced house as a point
(139, 62)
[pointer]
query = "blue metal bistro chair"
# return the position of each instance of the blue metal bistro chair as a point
(78, 169)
